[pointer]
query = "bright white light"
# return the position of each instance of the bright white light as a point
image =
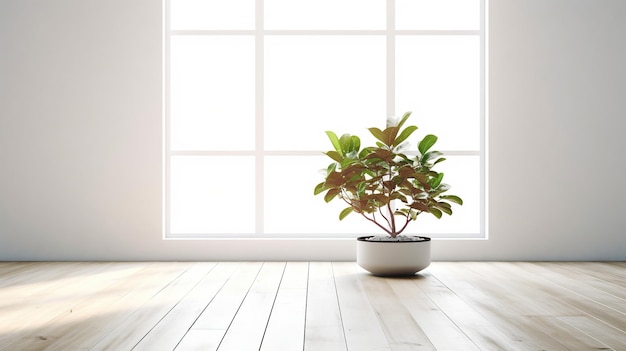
(211, 14)
(212, 93)
(319, 83)
(325, 14)
(291, 180)
(438, 14)
(438, 78)
(212, 194)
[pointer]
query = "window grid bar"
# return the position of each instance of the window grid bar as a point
(391, 58)
(292, 153)
(325, 32)
(484, 127)
(259, 195)
(305, 236)
(166, 121)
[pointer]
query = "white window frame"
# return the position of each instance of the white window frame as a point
(259, 153)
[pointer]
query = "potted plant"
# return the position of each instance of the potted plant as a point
(389, 186)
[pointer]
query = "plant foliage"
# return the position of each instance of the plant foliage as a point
(386, 186)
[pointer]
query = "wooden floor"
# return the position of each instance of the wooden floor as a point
(318, 306)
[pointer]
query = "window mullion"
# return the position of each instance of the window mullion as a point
(484, 106)
(167, 152)
(391, 58)
(259, 117)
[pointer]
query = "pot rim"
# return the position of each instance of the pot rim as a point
(364, 239)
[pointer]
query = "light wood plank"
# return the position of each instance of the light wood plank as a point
(101, 314)
(172, 328)
(201, 340)
(44, 283)
(360, 322)
(285, 328)
(614, 338)
(568, 336)
(222, 309)
(59, 306)
(440, 330)
(575, 282)
(497, 299)
(401, 330)
(14, 270)
(324, 329)
(128, 333)
(595, 274)
(525, 294)
(584, 298)
(479, 329)
(247, 328)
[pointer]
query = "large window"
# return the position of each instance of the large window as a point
(251, 86)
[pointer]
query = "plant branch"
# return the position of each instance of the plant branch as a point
(389, 209)
(378, 224)
(406, 223)
(393, 220)
(385, 217)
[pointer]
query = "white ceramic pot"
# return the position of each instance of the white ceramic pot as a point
(388, 258)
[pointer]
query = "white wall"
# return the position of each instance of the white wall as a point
(80, 131)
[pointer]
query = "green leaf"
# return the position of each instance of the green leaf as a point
(355, 144)
(346, 211)
(443, 187)
(334, 140)
(331, 168)
(349, 144)
(435, 212)
(441, 159)
(431, 155)
(380, 154)
(360, 188)
(331, 194)
(404, 118)
(377, 133)
(426, 143)
(390, 135)
(319, 188)
(446, 209)
(434, 182)
(452, 198)
(346, 162)
(334, 155)
(398, 196)
(334, 179)
(404, 135)
(365, 151)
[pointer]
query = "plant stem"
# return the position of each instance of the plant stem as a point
(378, 224)
(393, 220)
(389, 209)
(406, 223)
(383, 215)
